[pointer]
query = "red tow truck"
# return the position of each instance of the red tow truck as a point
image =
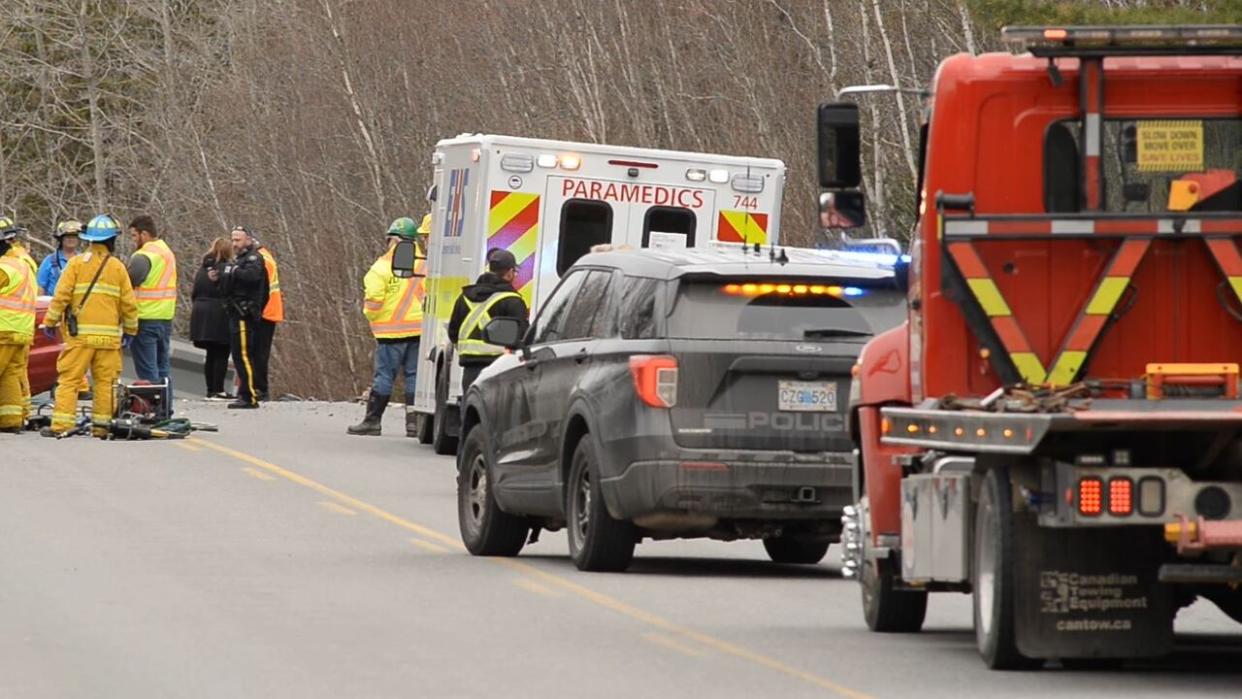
(1057, 429)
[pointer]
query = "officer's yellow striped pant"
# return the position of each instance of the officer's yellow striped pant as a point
(72, 365)
(11, 403)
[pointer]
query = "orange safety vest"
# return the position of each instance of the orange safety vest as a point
(274, 311)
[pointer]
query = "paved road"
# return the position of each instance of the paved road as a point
(281, 558)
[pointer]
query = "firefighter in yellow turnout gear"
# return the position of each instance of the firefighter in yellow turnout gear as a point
(18, 290)
(23, 375)
(394, 308)
(97, 312)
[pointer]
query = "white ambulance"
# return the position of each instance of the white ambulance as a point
(549, 202)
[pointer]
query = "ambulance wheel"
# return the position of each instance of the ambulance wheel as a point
(886, 608)
(426, 425)
(994, 585)
(441, 441)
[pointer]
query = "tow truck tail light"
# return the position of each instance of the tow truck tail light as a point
(1091, 496)
(655, 379)
(1120, 497)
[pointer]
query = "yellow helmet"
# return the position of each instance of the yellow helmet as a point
(424, 228)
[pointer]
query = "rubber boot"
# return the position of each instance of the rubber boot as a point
(411, 417)
(370, 425)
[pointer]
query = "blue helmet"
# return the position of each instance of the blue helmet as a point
(101, 229)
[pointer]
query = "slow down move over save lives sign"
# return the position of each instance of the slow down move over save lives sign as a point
(1170, 146)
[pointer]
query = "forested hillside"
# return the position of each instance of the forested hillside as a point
(312, 121)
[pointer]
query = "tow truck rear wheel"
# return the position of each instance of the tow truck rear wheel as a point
(426, 427)
(994, 587)
(886, 608)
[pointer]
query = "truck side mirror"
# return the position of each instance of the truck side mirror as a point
(840, 211)
(901, 274)
(403, 259)
(839, 146)
(506, 332)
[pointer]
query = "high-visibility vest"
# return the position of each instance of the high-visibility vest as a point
(274, 309)
(24, 256)
(17, 302)
(393, 305)
(157, 294)
(470, 338)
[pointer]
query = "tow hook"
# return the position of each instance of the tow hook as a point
(805, 494)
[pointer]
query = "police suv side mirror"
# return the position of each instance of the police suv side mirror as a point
(403, 259)
(506, 332)
(839, 146)
(840, 211)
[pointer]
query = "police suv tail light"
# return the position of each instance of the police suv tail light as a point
(655, 379)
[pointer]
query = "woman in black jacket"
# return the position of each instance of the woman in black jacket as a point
(209, 323)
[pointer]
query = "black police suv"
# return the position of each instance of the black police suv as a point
(667, 394)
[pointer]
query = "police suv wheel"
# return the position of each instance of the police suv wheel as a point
(597, 542)
(485, 529)
(993, 597)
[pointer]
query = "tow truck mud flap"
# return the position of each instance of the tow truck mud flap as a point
(1090, 593)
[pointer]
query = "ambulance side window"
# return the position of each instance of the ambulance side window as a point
(584, 223)
(671, 227)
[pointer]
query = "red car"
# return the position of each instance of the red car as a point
(42, 369)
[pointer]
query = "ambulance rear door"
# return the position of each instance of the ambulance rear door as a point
(582, 211)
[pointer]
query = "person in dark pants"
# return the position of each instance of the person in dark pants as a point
(209, 322)
(243, 283)
(491, 296)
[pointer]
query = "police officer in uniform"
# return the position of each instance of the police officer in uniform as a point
(244, 286)
(491, 296)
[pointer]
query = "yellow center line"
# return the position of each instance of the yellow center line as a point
(673, 645)
(428, 546)
(187, 446)
(556, 581)
(336, 507)
(532, 586)
(261, 475)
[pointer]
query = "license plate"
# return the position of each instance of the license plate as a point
(807, 396)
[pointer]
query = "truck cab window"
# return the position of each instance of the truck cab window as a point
(668, 226)
(1061, 170)
(584, 223)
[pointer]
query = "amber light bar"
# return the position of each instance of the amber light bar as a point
(786, 289)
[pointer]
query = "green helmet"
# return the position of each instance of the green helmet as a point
(404, 227)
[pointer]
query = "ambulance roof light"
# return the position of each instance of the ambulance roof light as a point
(547, 160)
(570, 161)
(517, 162)
(751, 184)
(718, 176)
(695, 174)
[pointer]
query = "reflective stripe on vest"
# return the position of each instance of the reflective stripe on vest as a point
(157, 294)
(274, 309)
(17, 300)
(470, 338)
(401, 312)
